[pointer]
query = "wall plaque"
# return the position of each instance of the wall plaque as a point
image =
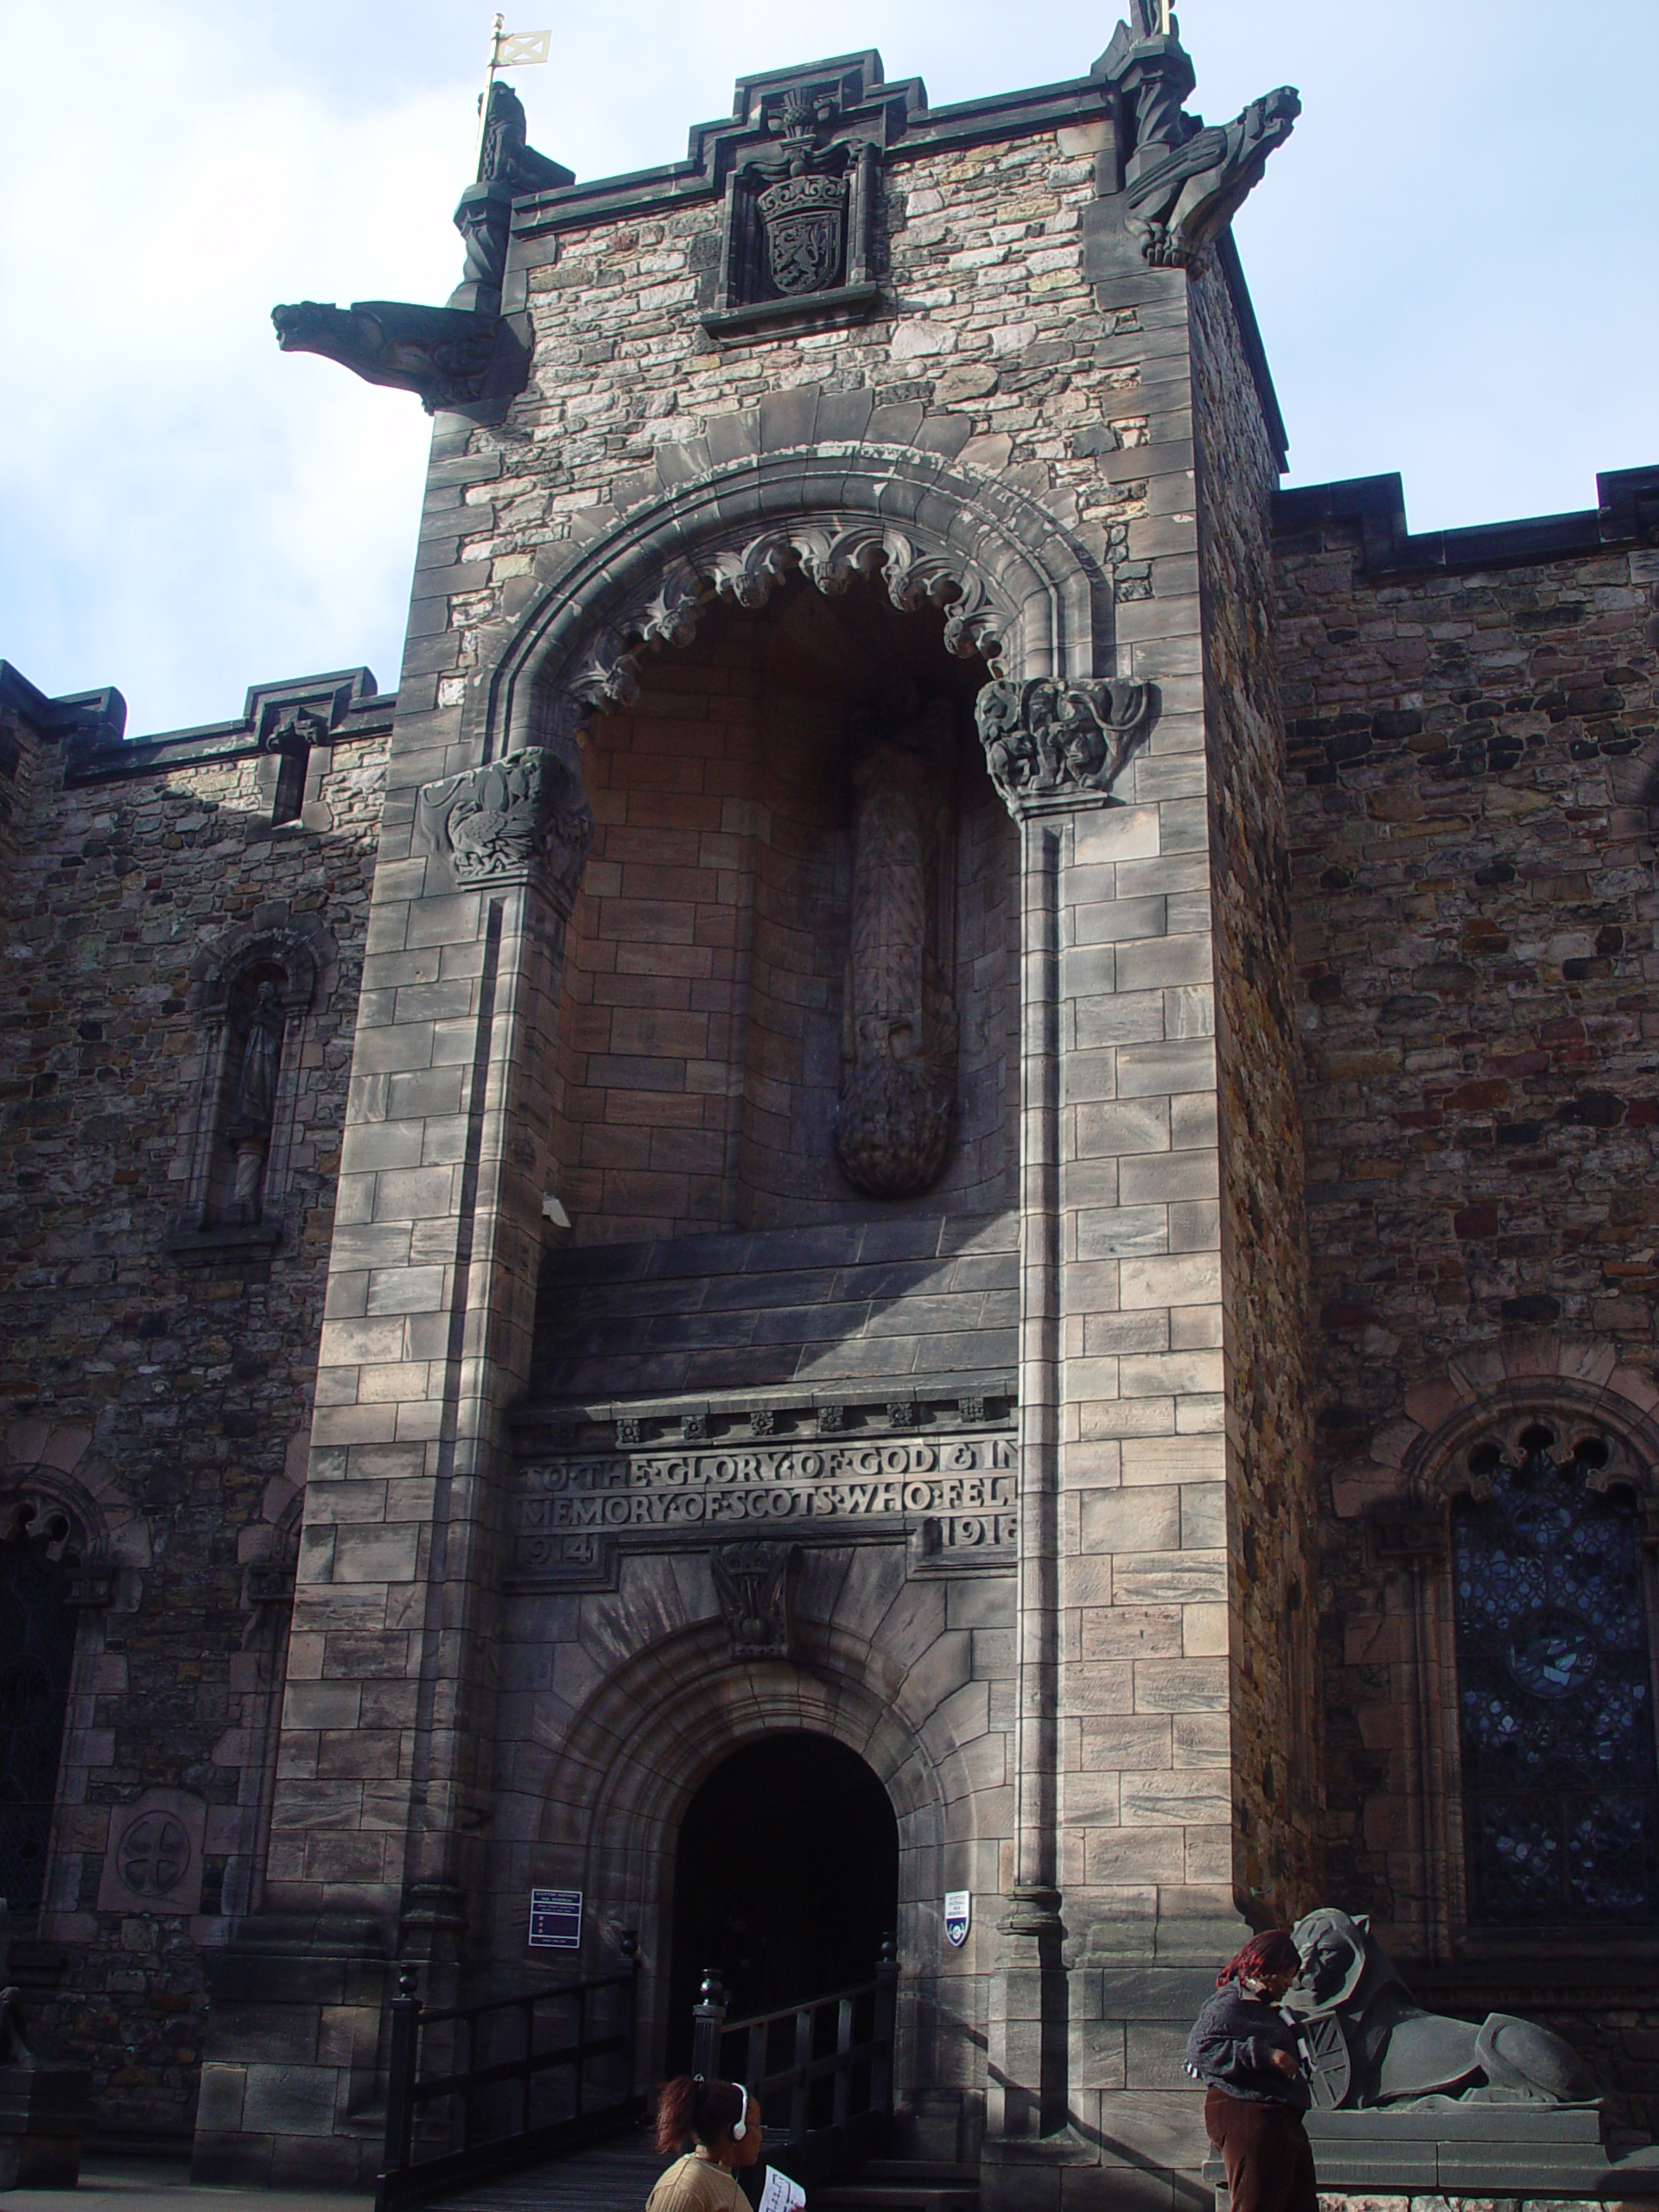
(952, 1496)
(153, 1860)
(555, 1920)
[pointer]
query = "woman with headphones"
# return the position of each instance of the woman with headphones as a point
(724, 2121)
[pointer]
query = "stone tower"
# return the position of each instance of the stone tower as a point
(819, 1246)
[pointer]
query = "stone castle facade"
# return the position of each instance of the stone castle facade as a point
(947, 1076)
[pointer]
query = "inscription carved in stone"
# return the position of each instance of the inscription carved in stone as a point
(502, 823)
(896, 1110)
(1046, 742)
(566, 1508)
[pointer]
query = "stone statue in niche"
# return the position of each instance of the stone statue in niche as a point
(253, 1103)
(1369, 2043)
(897, 1111)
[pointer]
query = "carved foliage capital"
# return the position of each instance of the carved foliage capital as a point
(1049, 744)
(513, 821)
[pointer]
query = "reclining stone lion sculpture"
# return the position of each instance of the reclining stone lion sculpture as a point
(1369, 2043)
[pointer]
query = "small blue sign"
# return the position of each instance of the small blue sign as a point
(958, 1911)
(555, 1920)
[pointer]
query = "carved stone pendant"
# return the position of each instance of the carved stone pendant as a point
(897, 1112)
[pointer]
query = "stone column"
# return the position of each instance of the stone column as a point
(384, 1782)
(1165, 1500)
(1055, 752)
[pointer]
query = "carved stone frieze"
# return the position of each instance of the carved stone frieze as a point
(512, 820)
(752, 1581)
(153, 1861)
(570, 1511)
(896, 1110)
(1049, 743)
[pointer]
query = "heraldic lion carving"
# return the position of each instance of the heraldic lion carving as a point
(1369, 2043)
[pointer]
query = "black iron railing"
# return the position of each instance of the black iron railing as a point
(821, 2071)
(481, 2090)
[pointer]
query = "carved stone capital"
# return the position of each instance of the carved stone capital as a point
(522, 819)
(1052, 744)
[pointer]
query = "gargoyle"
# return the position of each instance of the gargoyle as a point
(445, 354)
(442, 354)
(1179, 204)
(1182, 182)
(1369, 2043)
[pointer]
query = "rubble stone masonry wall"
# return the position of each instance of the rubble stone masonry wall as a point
(169, 1403)
(1471, 758)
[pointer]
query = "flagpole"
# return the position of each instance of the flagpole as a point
(489, 87)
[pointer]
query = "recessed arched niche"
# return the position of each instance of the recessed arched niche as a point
(791, 985)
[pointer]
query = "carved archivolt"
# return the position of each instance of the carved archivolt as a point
(830, 556)
(809, 496)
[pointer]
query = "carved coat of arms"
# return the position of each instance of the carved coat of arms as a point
(804, 218)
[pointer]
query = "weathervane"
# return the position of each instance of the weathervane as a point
(508, 50)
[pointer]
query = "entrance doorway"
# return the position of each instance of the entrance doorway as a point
(786, 1879)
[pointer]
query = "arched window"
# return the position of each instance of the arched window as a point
(1556, 1687)
(37, 1650)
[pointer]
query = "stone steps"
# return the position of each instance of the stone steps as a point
(608, 2177)
(901, 2185)
(619, 2177)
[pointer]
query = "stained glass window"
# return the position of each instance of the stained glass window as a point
(37, 1645)
(1561, 1779)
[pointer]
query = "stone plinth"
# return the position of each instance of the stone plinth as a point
(44, 2112)
(1542, 2152)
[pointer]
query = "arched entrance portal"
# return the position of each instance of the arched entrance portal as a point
(786, 1879)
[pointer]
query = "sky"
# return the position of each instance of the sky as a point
(1451, 261)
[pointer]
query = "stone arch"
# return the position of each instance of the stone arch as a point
(51, 1464)
(55, 1492)
(658, 1725)
(1410, 1463)
(1402, 1489)
(300, 946)
(825, 484)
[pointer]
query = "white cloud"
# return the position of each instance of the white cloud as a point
(1447, 259)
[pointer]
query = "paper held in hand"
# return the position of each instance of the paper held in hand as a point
(780, 2193)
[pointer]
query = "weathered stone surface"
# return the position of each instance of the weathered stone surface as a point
(163, 1408)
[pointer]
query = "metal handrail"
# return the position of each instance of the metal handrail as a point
(821, 2145)
(409, 2175)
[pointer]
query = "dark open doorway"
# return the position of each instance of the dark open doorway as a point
(786, 1879)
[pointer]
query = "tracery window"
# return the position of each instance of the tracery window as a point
(1555, 1693)
(37, 1650)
